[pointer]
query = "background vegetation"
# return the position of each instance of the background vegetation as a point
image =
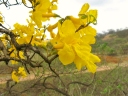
(111, 78)
(113, 42)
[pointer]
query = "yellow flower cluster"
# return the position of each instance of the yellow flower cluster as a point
(29, 34)
(87, 16)
(72, 41)
(15, 55)
(42, 11)
(74, 38)
(33, 33)
(17, 74)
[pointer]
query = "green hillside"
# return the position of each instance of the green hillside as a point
(112, 42)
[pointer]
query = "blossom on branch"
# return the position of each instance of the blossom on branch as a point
(71, 43)
(17, 74)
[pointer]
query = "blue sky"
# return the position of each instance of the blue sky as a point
(112, 14)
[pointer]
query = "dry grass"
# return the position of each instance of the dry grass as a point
(111, 80)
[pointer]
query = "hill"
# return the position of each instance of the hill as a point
(112, 42)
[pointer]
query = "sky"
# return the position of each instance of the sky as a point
(112, 14)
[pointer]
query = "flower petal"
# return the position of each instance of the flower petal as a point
(68, 28)
(91, 66)
(78, 62)
(15, 77)
(88, 39)
(94, 58)
(84, 8)
(82, 51)
(66, 55)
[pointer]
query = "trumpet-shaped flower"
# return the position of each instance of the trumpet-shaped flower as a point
(74, 47)
(87, 16)
(43, 11)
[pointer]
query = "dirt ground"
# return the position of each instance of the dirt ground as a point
(108, 63)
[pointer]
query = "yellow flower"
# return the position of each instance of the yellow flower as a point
(21, 54)
(85, 58)
(82, 54)
(93, 16)
(87, 16)
(13, 55)
(22, 72)
(84, 8)
(24, 30)
(13, 62)
(91, 66)
(15, 77)
(43, 11)
(28, 34)
(17, 74)
(50, 29)
(74, 46)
